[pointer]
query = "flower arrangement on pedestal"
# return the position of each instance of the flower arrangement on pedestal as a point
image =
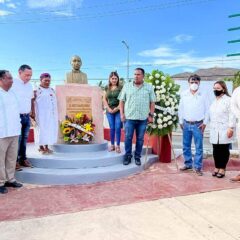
(166, 107)
(77, 130)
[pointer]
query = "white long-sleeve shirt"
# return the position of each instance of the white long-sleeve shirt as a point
(221, 118)
(235, 103)
(24, 93)
(10, 125)
(193, 107)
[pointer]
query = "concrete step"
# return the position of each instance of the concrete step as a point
(78, 160)
(82, 175)
(80, 148)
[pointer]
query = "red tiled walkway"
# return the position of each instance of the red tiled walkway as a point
(160, 181)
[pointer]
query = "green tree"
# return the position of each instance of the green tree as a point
(235, 80)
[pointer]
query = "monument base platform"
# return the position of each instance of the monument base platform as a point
(79, 164)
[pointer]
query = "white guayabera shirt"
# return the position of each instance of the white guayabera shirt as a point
(193, 107)
(221, 118)
(235, 106)
(24, 93)
(10, 125)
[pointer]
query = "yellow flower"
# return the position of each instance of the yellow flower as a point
(88, 127)
(65, 123)
(78, 115)
(67, 130)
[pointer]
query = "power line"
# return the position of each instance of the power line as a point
(116, 13)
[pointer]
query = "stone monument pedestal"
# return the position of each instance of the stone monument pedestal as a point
(75, 98)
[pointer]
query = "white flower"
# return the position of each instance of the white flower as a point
(167, 103)
(165, 119)
(163, 96)
(160, 115)
(163, 78)
(157, 81)
(154, 126)
(150, 77)
(160, 126)
(169, 117)
(170, 123)
(157, 87)
(165, 112)
(170, 85)
(157, 75)
(154, 114)
(159, 121)
(164, 125)
(174, 118)
(163, 90)
(163, 84)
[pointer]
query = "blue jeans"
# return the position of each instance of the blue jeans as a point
(22, 143)
(140, 127)
(115, 125)
(189, 131)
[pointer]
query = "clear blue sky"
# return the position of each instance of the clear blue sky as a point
(171, 35)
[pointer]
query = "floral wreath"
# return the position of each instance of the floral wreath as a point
(77, 130)
(166, 105)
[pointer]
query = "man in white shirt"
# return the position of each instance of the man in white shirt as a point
(235, 106)
(24, 92)
(193, 117)
(10, 128)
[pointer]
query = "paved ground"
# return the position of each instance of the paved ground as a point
(158, 203)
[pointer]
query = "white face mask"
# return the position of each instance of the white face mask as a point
(194, 86)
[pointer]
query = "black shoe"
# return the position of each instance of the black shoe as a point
(14, 184)
(214, 174)
(3, 190)
(220, 175)
(138, 161)
(185, 168)
(127, 160)
(199, 172)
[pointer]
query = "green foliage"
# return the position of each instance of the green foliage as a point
(166, 106)
(235, 80)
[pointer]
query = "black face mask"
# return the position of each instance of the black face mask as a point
(217, 93)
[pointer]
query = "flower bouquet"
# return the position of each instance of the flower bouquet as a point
(166, 106)
(77, 130)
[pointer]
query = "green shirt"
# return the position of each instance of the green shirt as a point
(137, 100)
(112, 96)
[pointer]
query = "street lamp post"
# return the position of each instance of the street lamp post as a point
(127, 59)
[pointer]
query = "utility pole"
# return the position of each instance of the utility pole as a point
(126, 45)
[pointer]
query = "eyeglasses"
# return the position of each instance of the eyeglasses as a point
(195, 79)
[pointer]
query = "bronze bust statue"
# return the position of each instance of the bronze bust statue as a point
(76, 76)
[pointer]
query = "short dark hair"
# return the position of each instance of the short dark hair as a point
(3, 73)
(140, 69)
(194, 77)
(24, 67)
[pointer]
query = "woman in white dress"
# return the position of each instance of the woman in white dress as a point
(222, 126)
(46, 114)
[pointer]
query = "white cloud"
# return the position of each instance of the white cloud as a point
(5, 13)
(2, 1)
(171, 58)
(163, 51)
(53, 4)
(182, 38)
(11, 5)
(62, 13)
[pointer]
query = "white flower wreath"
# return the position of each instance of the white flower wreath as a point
(166, 107)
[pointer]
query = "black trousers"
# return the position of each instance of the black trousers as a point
(221, 155)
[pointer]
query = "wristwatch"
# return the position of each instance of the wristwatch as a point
(150, 114)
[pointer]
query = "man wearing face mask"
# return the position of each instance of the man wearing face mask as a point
(193, 117)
